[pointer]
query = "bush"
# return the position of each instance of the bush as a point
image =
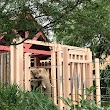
(84, 104)
(12, 98)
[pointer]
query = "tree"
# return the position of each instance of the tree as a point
(88, 25)
(18, 16)
(83, 23)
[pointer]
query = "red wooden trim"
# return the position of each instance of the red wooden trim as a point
(37, 51)
(35, 38)
(7, 48)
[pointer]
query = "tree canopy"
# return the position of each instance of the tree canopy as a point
(88, 26)
(18, 16)
(83, 23)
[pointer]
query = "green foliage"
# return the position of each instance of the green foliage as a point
(24, 15)
(83, 23)
(12, 98)
(87, 26)
(105, 85)
(85, 104)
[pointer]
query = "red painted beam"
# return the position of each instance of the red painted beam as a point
(37, 51)
(35, 38)
(7, 48)
(43, 52)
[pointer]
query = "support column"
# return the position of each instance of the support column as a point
(53, 74)
(66, 75)
(13, 64)
(19, 64)
(27, 72)
(59, 75)
(97, 77)
(89, 73)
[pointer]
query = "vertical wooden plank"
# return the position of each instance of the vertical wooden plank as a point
(19, 64)
(36, 61)
(53, 73)
(84, 80)
(76, 81)
(13, 64)
(66, 75)
(73, 81)
(97, 76)
(79, 81)
(59, 75)
(1, 68)
(89, 70)
(8, 68)
(27, 72)
(5, 69)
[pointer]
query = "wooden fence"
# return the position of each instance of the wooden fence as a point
(5, 67)
(70, 70)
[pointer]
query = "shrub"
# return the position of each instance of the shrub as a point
(12, 98)
(83, 104)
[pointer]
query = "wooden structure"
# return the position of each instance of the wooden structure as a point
(70, 67)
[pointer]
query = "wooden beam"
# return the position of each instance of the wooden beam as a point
(39, 43)
(66, 76)
(27, 72)
(53, 74)
(59, 76)
(13, 64)
(19, 65)
(37, 51)
(35, 38)
(7, 48)
(97, 76)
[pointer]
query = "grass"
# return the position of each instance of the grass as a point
(12, 98)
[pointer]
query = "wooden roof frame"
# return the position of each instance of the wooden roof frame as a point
(27, 45)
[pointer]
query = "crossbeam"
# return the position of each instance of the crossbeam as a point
(37, 51)
(6, 48)
(39, 43)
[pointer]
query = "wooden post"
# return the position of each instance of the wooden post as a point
(5, 69)
(8, 68)
(97, 76)
(73, 81)
(76, 80)
(79, 81)
(1, 72)
(53, 73)
(19, 64)
(27, 72)
(13, 64)
(84, 80)
(66, 75)
(59, 75)
(36, 61)
(89, 73)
